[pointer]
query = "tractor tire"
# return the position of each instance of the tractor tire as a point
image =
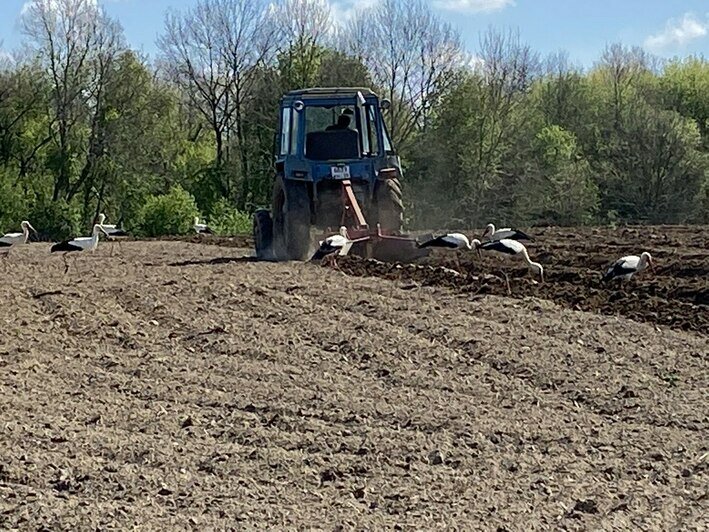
(263, 234)
(291, 217)
(389, 205)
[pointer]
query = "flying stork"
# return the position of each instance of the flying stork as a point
(332, 247)
(512, 248)
(505, 233)
(201, 228)
(624, 268)
(84, 243)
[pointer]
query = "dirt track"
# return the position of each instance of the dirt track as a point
(186, 386)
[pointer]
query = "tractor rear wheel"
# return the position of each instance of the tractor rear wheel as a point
(263, 234)
(389, 205)
(291, 220)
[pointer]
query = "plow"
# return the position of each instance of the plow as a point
(375, 242)
(335, 166)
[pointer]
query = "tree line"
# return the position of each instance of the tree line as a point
(89, 125)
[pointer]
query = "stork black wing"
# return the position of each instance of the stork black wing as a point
(323, 251)
(520, 235)
(618, 269)
(438, 242)
(117, 233)
(498, 246)
(65, 246)
(5, 244)
(512, 234)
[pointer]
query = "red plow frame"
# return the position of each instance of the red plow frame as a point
(374, 243)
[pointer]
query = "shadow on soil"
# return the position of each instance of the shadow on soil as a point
(212, 262)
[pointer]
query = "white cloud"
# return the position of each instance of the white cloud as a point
(678, 32)
(474, 6)
(344, 10)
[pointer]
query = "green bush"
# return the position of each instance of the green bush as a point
(56, 220)
(228, 220)
(169, 214)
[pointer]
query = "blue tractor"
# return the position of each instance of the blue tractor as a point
(334, 166)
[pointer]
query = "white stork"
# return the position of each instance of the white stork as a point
(10, 240)
(84, 243)
(452, 241)
(625, 267)
(201, 228)
(111, 230)
(512, 248)
(333, 246)
(505, 233)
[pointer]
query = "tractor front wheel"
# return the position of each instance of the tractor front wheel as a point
(389, 205)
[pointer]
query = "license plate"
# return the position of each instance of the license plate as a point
(340, 172)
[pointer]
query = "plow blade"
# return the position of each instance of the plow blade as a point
(397, 250)
(387, 248)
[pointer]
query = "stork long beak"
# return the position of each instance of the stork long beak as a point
(33, 229)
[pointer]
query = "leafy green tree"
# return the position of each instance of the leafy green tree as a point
(656, 169)
(560, 190)
(685, 85)
(56, 219)
(13, 203)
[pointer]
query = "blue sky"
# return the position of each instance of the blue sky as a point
(581, 27)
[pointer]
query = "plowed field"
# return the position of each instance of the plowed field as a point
(183, 386)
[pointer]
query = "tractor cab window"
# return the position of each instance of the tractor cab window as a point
(295, 126)
(332, 133)
(285, 130)
(330, 118)
(372, 130)
(388, 149)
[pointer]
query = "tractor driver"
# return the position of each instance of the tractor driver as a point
(343, 121)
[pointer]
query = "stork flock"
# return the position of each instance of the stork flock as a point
(8, 241)
(504, 242)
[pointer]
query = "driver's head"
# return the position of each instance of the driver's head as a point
(343, 121)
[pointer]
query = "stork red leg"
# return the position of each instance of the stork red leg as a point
(507, 283)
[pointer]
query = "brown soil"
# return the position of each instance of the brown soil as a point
(676, 294)
(179, 386)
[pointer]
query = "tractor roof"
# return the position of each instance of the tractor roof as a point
(326, 92)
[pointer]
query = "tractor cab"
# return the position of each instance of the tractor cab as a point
(333, 134)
